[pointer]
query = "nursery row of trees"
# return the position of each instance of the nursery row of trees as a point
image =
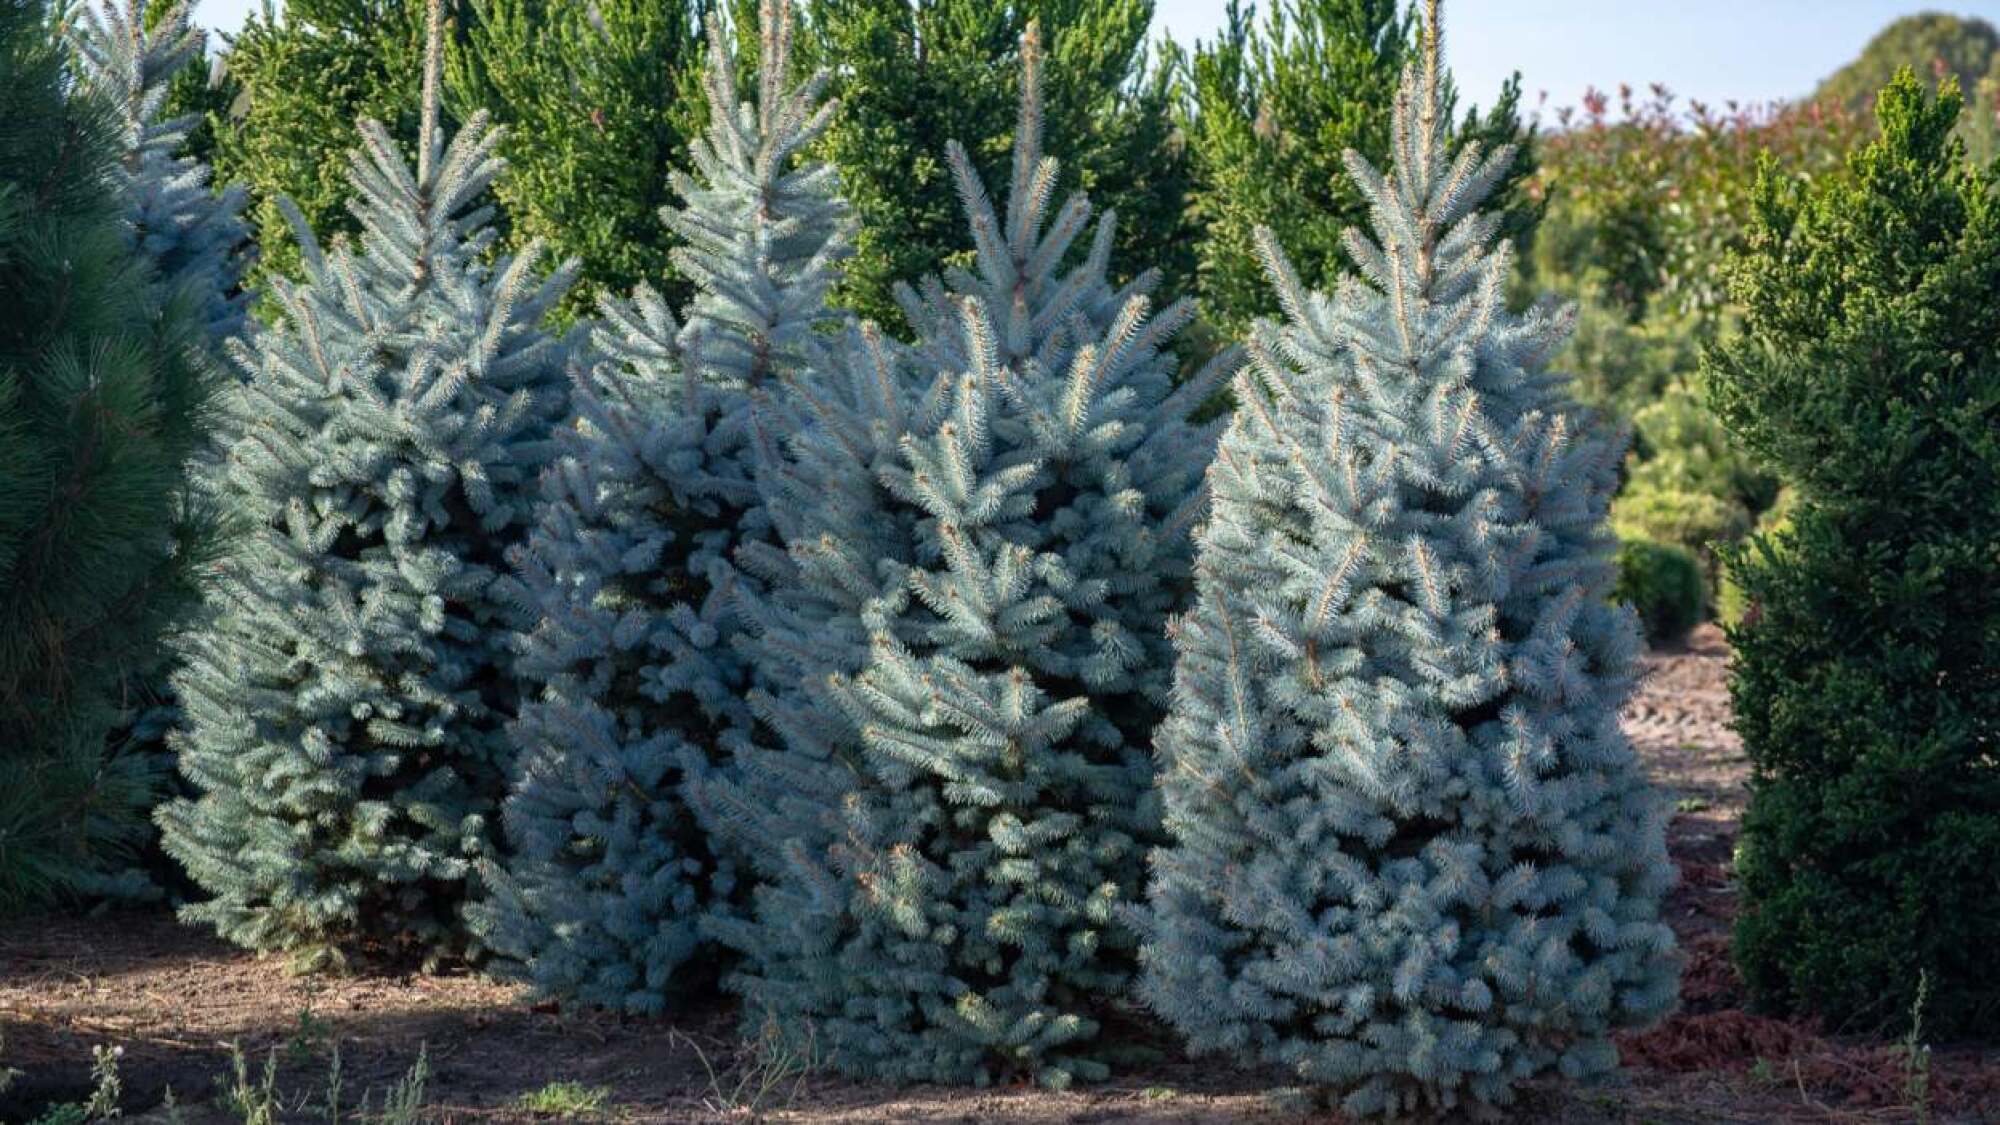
(939, 681)
(1193, 149)
(1631, 207)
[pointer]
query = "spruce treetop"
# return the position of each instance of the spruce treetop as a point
(762, 228)
(195, 236)
(1271, 106)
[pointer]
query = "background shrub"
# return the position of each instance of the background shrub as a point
(1663, 582)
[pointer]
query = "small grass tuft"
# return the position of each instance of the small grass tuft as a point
(564, 1100)
(767, 1076)
(1917, 1056)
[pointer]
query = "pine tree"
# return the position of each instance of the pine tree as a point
(964, 650)
(1414, 860)
(912, 76)
(628, 573)
(1867, 665)
(101, 405)
(346, 692)
(1269, 110)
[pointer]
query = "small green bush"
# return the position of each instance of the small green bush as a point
(1663, 582)
(1732, 604)
(1693, 521)
(1678, 443)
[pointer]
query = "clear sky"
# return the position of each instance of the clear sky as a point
(1750, 50)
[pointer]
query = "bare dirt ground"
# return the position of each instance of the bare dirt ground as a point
(173, 1000)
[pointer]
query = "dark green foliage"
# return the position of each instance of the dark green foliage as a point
(912, 76)
(1273, 105)
(298, 78)
(599, 101)
(101, 403)
(1663, 582)
(1868, 659)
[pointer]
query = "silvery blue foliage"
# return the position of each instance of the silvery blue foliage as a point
(962, 654)
(195, 236)
(1414, 860)
(347, 691)
(627, 577)
(197, 245)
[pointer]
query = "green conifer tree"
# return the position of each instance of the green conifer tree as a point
(1867, 664)
(627, 572)
(346, 691)
(1271, 107)
(102, 403)
(963, 647)
(600, 101)
(912, 76)
(296, 78)
(1414, 860)
(597, 102)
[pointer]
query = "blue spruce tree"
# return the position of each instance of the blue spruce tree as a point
(346, 695)
(1414, 861)
(962, 651)
(195, 236)
(627, 576)
(198, 246)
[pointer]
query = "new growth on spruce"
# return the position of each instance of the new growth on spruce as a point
(962, 651)
(1414, 860)
(346, 692)
(627, 576)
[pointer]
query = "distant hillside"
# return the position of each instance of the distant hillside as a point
(1928, 42)
(1931, 43)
